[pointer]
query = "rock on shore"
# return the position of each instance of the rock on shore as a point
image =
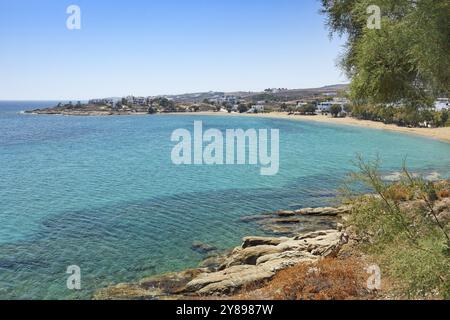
(256, 261)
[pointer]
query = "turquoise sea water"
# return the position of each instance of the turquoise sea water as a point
(103, 194)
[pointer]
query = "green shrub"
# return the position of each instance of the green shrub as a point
(403, 233)
(400, 115)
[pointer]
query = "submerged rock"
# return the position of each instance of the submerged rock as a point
(255, 218)
(202, 247)
(289, 222)
(300, 224)
(286, 213)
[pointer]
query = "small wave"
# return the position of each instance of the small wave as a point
(394, 176)
(432, 176)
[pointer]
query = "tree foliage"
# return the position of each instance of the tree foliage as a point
(406, 60)
(335, 110)
(407, 115)
(309, 109)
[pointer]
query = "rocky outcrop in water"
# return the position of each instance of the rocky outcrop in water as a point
(325, 211)
(292, 222)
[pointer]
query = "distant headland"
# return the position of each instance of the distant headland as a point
(273, 99)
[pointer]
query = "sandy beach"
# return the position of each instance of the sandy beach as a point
(435, 133)
(442, 134)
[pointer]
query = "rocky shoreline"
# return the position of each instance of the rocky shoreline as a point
(300, 237)
(84, 113)
(256, 261)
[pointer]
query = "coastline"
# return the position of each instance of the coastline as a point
(83, 113)
(442, 134)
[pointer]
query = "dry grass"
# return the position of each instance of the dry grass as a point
(443, 189)
(329, 279)
(443, 194)
(398, 192)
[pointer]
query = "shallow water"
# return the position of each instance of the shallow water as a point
(103, 194)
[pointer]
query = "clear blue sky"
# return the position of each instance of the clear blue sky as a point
(162, 47)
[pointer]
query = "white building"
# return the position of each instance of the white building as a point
(326, 106)
(231, 99)
(256, 108)
(276, 90)
(106, 101)
(441, 104)
(95, 101)
(139, 101)
(109, 101)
